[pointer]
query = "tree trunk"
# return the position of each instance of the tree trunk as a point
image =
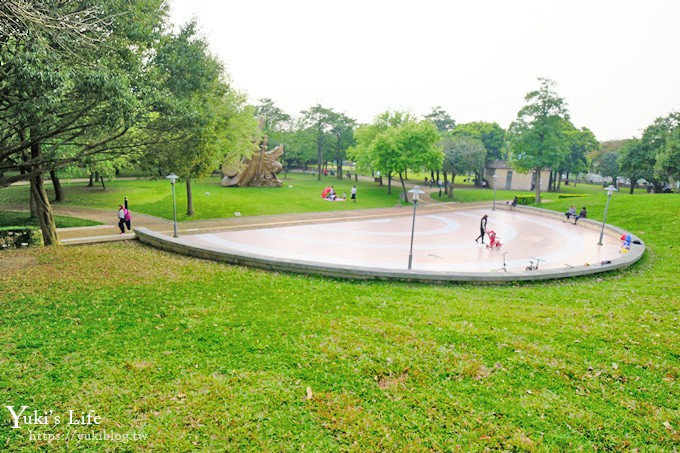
(389, 183)
(403, 187)
(58, 191)
(91, 183)
(44, 212)
(190, 199)
(319, 151)
(537, 188)
(453, 179)
(42, 203)
(34, 208)
(339, 166)
(101, 179)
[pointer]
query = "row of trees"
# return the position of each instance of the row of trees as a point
(393, 144)
(654, 157)
(542, 137)
(107, 84)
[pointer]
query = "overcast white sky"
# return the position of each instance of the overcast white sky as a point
(616, 63)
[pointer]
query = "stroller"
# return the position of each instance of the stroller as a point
(494, 243)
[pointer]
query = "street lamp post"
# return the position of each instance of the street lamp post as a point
(173, 179)
(416, 192)
(495, 181)
(610, 191)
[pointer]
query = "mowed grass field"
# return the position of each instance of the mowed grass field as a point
(299, 193)
(178, 354)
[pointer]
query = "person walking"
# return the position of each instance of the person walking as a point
(127, 218)
(121, 218)
(354, 194)
(482, 228)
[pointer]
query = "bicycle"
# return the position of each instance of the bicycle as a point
(531, 266)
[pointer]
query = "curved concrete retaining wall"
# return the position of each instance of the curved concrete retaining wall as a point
(176, 245)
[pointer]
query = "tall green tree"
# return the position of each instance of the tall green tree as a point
(668, 160)
(397, 142)
(607, 165)
(462, 155)
(654, 142)
(490, 134)
(193, 109)
(441, 119)
(342, 129)
(276, 124)
(537, 135)
(635, 162)
(318, 122)
(581, 142)
(76, 93)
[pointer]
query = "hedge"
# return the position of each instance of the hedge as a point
(571, 195)
(526, 199)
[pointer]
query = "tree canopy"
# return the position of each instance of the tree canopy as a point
(537, 135)
(104, 89)
(396, 142)
(490, 134)
(462, 154)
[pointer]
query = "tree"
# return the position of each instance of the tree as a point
(75, 93)
(276, 124)
(318, 121)
(537, 135)
(635, 162)
(654, 141)
(396, 142)
(490, 134)
(195, 110)
(461, 155)
(441, 119)
(581, 143)
(273, 117)
(342, 129)
(668, 161)
(607, 165)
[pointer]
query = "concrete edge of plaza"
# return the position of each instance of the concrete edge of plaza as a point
(624, 260)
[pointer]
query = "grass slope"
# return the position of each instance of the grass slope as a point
(201, 356)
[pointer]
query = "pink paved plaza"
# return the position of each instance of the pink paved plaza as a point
(444, 241)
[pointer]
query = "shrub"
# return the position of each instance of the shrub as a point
(526, 199)
(19, 236)
(572, 195)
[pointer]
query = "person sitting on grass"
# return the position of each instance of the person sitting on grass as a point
(571, 212)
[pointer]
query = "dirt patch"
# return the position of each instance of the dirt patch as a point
(13, 262)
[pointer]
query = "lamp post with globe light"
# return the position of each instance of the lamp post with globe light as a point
(416, 193)
(610, 191)
(173, 179)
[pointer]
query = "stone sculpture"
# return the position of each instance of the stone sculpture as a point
(259, 170)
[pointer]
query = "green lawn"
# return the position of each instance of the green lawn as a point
(299, 193)
(10, 218)
(202, 356)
